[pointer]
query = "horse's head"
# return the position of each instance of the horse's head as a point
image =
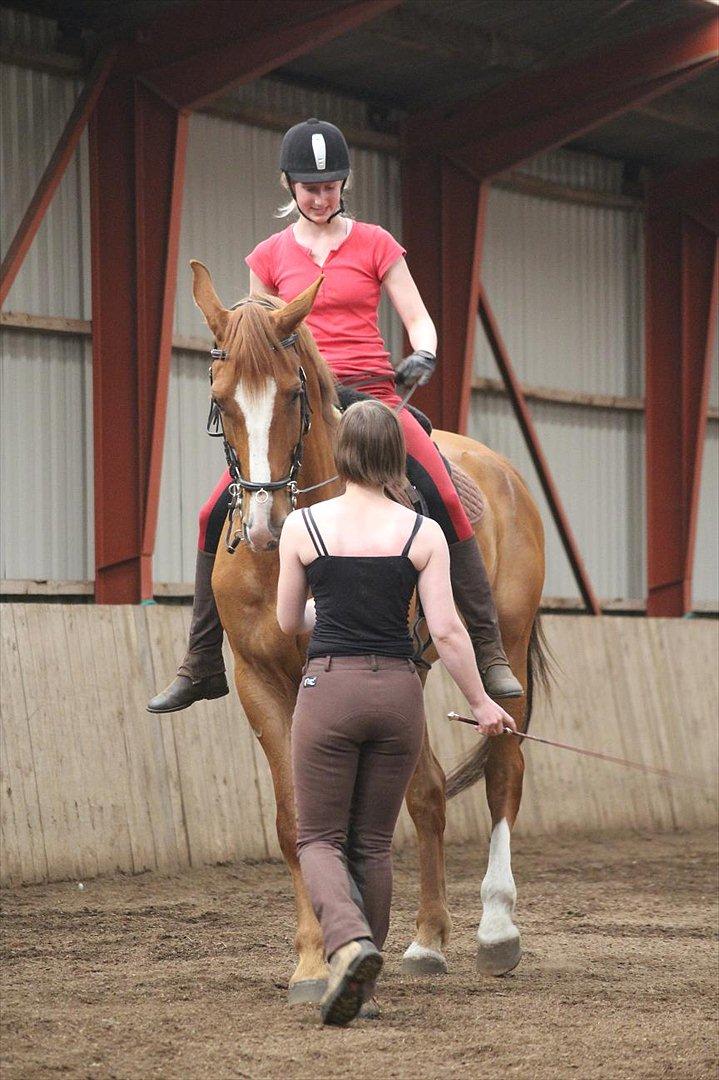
(265, 382)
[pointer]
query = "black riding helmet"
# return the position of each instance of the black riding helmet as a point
(312, 152)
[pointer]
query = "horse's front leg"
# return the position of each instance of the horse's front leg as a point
(269, 711)
(499, 948)
(426, 805)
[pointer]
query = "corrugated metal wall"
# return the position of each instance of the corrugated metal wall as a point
(565, 282)
(564, 279)
(46, 478)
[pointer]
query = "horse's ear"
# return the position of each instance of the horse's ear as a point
(207, 299)
(288, 317)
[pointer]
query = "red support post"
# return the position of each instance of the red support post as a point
(54, 172)
(464, 205)
(422, 237)
(531, 438)
(443, 214)
(680, 306)
(137, 146)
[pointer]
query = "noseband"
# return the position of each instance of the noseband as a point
(262, 489)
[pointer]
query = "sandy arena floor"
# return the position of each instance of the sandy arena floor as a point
(184, 977)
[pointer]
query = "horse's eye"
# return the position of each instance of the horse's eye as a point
(295, 394)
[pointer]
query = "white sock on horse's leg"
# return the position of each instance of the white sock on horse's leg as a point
(498, 937)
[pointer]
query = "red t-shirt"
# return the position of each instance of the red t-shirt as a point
(343, 319)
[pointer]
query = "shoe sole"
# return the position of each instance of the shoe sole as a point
(346, 1001)
(181, 708)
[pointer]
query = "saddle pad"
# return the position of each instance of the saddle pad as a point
(469, 493)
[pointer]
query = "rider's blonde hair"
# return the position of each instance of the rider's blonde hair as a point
(369, 447)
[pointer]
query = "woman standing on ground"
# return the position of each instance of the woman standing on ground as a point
(358, 261)
(359, 723)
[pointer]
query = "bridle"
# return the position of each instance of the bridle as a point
(261, 488)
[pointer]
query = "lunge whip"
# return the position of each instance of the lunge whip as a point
(578, 750)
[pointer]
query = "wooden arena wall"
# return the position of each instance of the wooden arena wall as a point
(92, 783)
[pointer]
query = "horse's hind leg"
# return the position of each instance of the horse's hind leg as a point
(426, 804)
(499, 947)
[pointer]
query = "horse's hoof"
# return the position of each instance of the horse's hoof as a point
(419, 960)
(498, 957)
(306, 992)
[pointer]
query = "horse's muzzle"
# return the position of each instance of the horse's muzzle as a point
(262, 537)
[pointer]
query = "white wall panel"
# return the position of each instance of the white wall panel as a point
(596, 462)
(564, 281)
(54, 278)
(46, 476)
(706, 559)
(577, 170)
(281, 98)
(23, 30)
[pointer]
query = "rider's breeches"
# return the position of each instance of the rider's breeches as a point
(357, 734)
(213, 514)
(425, 469)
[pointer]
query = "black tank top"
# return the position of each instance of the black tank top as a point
(362, 601)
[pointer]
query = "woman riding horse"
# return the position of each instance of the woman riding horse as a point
(357, 261)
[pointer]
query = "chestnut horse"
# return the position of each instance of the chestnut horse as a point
(277, 401)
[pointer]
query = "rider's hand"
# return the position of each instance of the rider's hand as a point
(417, 368)
(491, 718)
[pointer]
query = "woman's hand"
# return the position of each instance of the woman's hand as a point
(491, 718)
(417, 368)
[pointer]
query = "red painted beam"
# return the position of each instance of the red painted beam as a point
(693, 189)
(531, 438)
(545, 109)
(137, 148)
(159, 191)
(443, 228)
(680, 312)
(422, 237)
(464, 205)
(181, 31)
(54, 172)
(276, 34)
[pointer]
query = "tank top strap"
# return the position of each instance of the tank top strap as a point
(415, 530)
(315, 535)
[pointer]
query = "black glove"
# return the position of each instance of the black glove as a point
(417, 368)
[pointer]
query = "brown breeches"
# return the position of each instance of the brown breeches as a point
(356, 737)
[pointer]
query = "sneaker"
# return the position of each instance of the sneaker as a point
(351, 966)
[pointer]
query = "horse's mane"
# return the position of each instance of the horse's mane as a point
(252, 334)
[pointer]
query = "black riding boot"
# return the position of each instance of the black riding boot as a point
(202, 673)
(473, 597)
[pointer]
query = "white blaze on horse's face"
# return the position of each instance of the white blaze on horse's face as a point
(257, 405)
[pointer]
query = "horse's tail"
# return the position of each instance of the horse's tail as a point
(540, 671)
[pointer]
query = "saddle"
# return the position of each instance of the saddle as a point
(469, 493)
